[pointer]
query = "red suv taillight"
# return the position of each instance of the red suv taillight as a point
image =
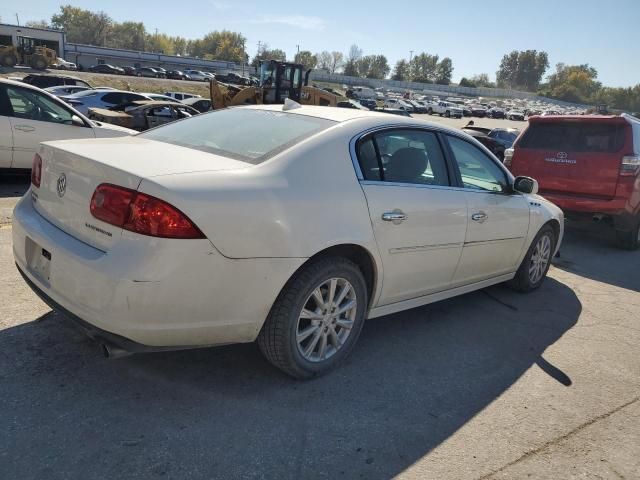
(141, 213)
(630, 165)
(36, 171)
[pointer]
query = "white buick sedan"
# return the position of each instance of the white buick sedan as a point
(285, 226)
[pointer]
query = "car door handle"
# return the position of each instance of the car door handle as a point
(396, 216)
(479, 217)
(24, 128)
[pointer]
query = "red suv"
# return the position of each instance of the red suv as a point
(587, 165)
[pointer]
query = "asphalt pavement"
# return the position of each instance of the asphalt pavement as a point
(493, 384)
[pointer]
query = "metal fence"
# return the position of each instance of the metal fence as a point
(87, 55)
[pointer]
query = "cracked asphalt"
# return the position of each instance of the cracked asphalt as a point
(491, 385)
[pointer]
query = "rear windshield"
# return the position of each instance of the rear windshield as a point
(574, 136)
(244, 134)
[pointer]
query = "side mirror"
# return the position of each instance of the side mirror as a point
(525, 185)
(76, 121)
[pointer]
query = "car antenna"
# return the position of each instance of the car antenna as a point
(290, 105)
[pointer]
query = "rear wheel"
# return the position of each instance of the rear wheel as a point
(536, 262)
(430, 111)
(9, 60)
(447, 114)
(629, 239)
(317, 318)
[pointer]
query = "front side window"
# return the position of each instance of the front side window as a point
(31, 105)
(478, 171)
(403, 156)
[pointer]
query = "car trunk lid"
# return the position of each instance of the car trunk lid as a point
(72, 169)
(574, 155)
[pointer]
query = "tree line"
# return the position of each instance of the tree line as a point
(518, 70)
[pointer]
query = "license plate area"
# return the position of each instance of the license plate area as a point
(38, 259)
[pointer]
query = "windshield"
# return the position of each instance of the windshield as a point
(245, 134)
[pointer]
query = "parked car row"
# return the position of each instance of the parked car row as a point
(160, 72)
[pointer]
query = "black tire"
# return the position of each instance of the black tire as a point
(9, 60)
(430, 111)
(447, 114)
(277, 339)
(38, 62)
(522, 281)
(629, 239)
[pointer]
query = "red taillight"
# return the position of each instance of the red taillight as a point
(630, 165)
(140, 213)
(36, 170)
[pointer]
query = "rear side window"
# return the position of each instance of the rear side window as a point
(598, 137)
(244, 134)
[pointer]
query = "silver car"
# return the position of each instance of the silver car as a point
(99, 98)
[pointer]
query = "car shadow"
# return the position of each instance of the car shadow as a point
(589, 249)
(413, 380)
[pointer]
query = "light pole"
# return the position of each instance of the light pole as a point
(410, 58)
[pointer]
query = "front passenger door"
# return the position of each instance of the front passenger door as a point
(498, 217)
(36, 118)
(419, 221)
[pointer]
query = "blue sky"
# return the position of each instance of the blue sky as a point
(474, 33)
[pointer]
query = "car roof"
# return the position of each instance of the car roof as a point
(20, 84)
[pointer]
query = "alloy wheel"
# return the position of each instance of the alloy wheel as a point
(540, 259)
(326, 319)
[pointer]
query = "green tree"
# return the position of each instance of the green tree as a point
(83, 26)
(522, 69)
(573, 83)
(465, 82)
(324, 60)
(306, 58)
(129, 35)
(353, 58)
(268, 54)
(401, 71)
(373, 66)
(424, 67)
(337, 59)
(37, 24)
(444, 71)
(482, 80)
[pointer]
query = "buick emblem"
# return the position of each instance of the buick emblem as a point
(62, 185)
(561, 155)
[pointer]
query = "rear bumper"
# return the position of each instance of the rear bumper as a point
(153, 292)
(582, 204)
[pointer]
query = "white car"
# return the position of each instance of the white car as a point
(62, 64)
(515, 114)
(101, 98)
(397, 103)
(29, 115)
(198, 75)
(289, 226)
(66, 90)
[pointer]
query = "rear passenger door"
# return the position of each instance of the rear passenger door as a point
(419, 221)
(498, 218)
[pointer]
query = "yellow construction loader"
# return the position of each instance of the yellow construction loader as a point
(278, 81)
(27, 52)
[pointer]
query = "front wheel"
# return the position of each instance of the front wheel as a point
(536, 262)
(317, 318)
(430, 111)
(447, 114)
